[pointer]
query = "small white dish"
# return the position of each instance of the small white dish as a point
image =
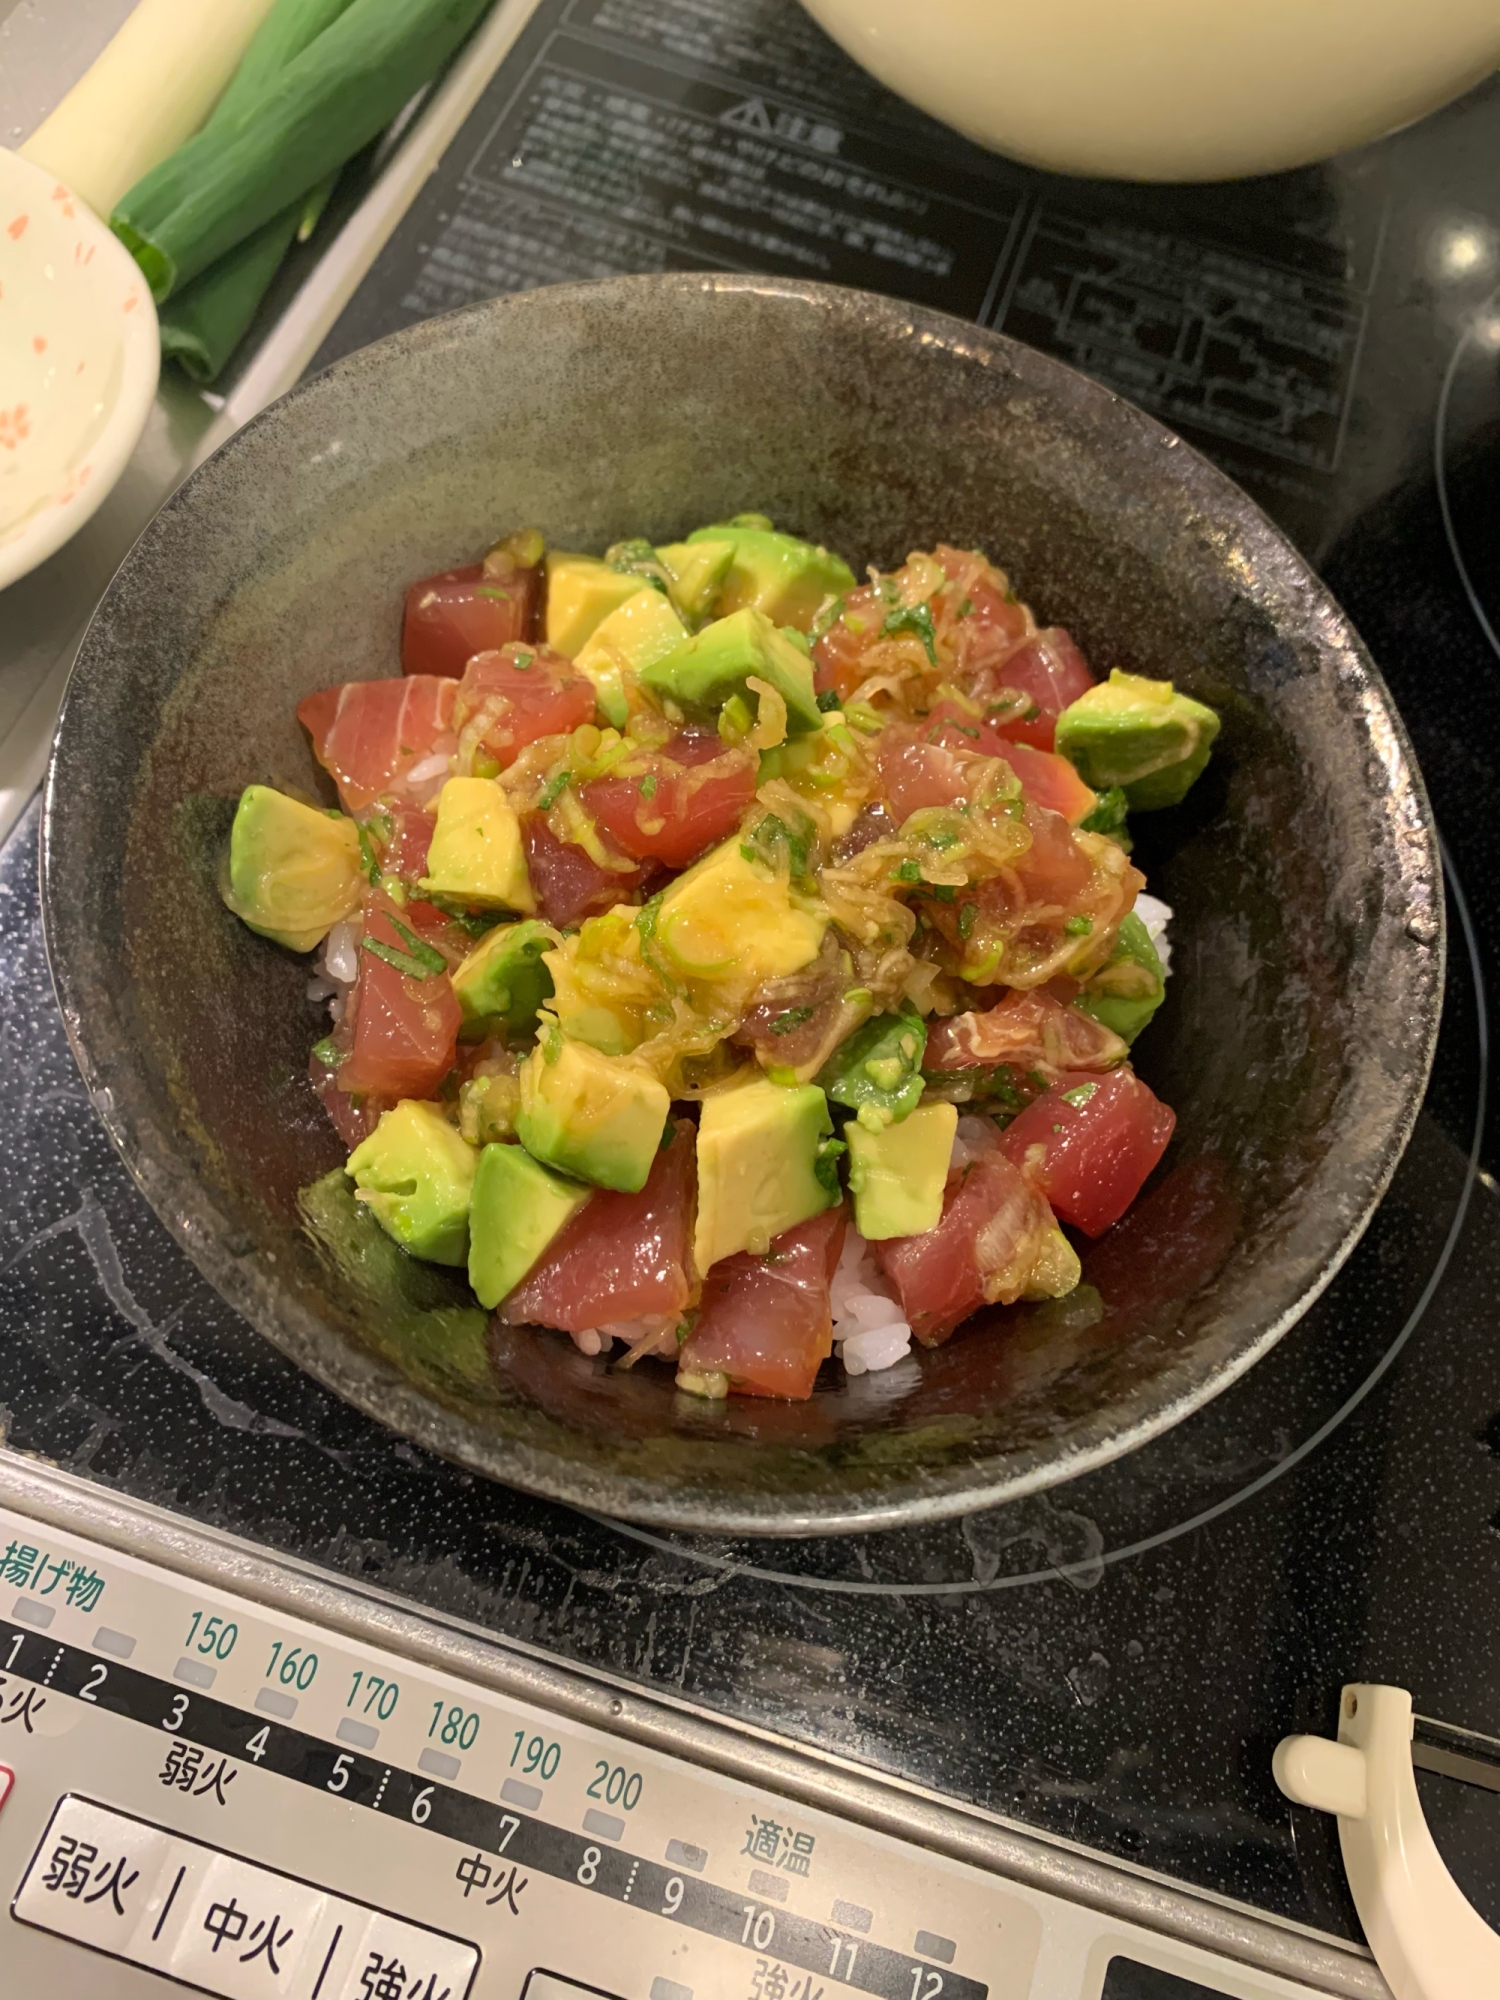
(79, 357)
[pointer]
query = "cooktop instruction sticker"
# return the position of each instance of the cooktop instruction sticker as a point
(524, 1829)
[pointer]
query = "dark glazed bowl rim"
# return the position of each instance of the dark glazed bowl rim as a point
(1279, 580)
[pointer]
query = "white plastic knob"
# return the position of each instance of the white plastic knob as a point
(1428, 1940)
(1315, 1772)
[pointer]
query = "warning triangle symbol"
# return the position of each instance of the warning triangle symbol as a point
(751, 116)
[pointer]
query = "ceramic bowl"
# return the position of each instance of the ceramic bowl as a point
(79, 358)
(1294, 1043)
(1171, 90)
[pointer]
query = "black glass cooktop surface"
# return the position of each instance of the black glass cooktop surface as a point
(1113, 1661)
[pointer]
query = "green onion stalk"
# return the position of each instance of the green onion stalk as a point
(322, 78)
(203, 323)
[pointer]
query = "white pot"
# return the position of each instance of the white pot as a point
(1171, 90)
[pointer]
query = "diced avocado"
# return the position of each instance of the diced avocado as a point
(877, 1072)
(1109, 818)
(294, 871)
(1056, 1271)
(503, 981)
(488, 1104)
(517, 1210)
(766, 1161)
(641, 631)
(1129, 987)
(476, 854)
(1140, 735)
(897, 1174)
(696, 570)
(415, 1175)
(591, 1115)
(581, 593)
(732, 918)
(714, 666)
(786, 579)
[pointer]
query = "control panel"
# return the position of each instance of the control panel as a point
(209, 1794)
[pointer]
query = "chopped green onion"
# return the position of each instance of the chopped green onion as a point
(552, 791)
(966, 917)
(647, 786)
(916, 619)
(828, 700)
(1078, 926)
(1078, 1096)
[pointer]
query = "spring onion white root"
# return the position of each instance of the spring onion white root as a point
(151, 88)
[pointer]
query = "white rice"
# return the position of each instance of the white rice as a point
(869, 1331)
(971, 1141)
(1156, 915)
(340, 959)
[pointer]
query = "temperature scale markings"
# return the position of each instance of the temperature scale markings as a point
(730, 1915)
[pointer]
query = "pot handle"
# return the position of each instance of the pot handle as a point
(1428, 1940)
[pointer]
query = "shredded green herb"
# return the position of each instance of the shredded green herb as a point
(329, 1056)
(367, 853)
(1078, 926)
(553, 790)
(638, 558)
(906, 871)
(773, 836)
(944, 891)
(420, 961)
(916, 619)
(1078, 1096)
(829, 613)
(522, 662)
(792, 1018)
(966, 917)
(647, 786)
(966, 608)
(828, 700)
